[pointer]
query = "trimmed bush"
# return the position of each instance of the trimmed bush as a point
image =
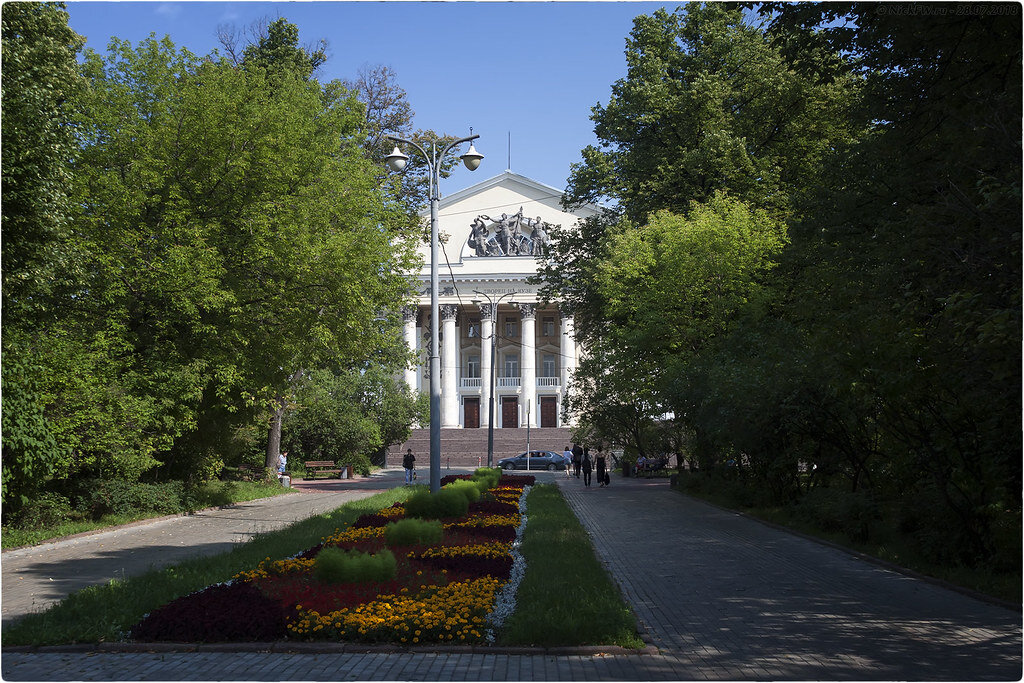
(470, 489)
(443, 504)
(487, 476)
(334, 565)
(413, 532)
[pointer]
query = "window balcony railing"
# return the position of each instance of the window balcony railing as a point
(508, 382)
(471, 382)
(548, 381)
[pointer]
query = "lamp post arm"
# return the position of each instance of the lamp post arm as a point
(430, 160)
(422, 151)
(456, 143)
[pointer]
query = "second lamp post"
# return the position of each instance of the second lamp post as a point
(490, 386)
(397, 161)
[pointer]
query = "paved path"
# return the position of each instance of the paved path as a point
(722, 597)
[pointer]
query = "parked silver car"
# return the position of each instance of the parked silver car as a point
(539, 460)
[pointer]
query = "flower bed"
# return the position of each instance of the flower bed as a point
(443, 593)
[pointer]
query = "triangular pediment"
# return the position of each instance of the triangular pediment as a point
(502, 219)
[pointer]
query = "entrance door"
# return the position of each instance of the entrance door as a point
(510, 411)
(471, 406)
(548, 411)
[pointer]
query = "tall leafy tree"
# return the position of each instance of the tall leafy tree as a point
(236, 230)
(709, 104)
(705, 147)
(38, 88)
(921, 224)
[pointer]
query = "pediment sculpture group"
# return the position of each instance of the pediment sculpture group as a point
(508, 235)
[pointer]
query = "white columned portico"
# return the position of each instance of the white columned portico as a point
(449, 367)
(409, 319)
(486, 344)
(529, 374)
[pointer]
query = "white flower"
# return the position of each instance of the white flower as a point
(505, 603)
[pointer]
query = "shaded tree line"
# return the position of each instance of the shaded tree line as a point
(807, 281)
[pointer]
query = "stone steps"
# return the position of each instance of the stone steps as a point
(468, 447)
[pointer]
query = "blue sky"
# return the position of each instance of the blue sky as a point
(532, 69)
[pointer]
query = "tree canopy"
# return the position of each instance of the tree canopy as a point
(873, 344)
(225, 231)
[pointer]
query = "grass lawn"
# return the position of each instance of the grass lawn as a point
(566, 597)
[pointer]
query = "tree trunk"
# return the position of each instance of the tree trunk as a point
(274, 438)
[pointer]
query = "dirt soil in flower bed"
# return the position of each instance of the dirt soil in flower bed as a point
(440, 593)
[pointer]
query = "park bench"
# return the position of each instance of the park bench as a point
(315, 467)
(652, 466)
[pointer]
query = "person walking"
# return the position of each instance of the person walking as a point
(600, 467)
(577, 459)
(567, 457)
(587, 467)
(409, 463)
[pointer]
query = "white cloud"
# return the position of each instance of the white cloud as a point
(168, 9)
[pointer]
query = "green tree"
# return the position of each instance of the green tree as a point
(706, 146)
(920, 223)
(709, 104)
(272, 45)
(39, 85)
(346, 416)
(236, 234)
(38, 88)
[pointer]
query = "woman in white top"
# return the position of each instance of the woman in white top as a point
(567, 457)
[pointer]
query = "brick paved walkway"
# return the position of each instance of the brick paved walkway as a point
(721, 597)
(732, 596)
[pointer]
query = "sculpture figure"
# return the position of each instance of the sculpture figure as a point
(478, 236)
(508, 238)
(539, 237)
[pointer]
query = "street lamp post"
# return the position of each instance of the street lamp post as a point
(397, 161)
(490, 386)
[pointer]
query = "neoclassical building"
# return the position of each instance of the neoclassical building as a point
(495, 230)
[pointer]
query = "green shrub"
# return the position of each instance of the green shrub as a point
(45, 510)
(413, 532)
(490, 475)
(443, 504)
(470, 489)
(119, 497)
(854, 514)
(334, 565)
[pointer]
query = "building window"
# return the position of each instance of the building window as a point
(511, 365)
(548, 327)
(550, 369)
(473, 366)
(510, 328)
(474, 327)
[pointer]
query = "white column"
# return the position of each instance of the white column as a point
(568, 350)
(449, 367)
(486, 342)
(412, 372)
(529, 362)
(568, 354)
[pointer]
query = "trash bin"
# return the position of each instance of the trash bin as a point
(285, 480)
